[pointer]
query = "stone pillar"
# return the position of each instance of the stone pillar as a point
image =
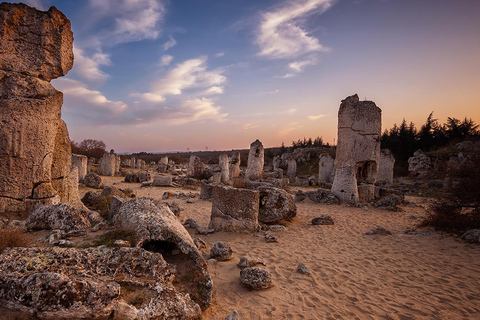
(255, 161)
(358, 150)
(195, 167)
(35, 47)
(385, 168)
(81, 163)
(133, 163)
(234, 167)
(163, 165)
(326, 169)
(107, 164)
(277, 160)
(225, 172)
(118, 164)
(291, 170)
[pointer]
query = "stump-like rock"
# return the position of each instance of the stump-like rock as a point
(275, 204)
(256, 278)
(221, 251)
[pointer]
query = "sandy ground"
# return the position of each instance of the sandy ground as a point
(353, 276)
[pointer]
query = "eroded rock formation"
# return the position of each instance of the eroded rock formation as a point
(358, 150)
(234, 166)
(35, 153)
(255, 161)
(385, 168)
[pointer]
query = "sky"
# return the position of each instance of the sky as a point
(178, 75)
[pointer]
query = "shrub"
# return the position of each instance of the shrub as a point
(12, 237)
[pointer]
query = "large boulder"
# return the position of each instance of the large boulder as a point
(157, 229)
(234, 209)
(275, 204)
(93, 180)
(54, 283)
(138, 176)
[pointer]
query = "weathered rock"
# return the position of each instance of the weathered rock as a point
(419, 165)
(270, 238)
(358, 150)
(163, 166)
(323, 220)
(58, 216)
(234, 165)
(301, 268)
(234, 210)
(86, 283)
(247, 262)
(233, 316)
(224, 166)
(93, 180)
(390, 202)
(206, 191)
(221, 251)
(190, 223)
(380, 230)
(157, 229)
(195, 167)
(275, 204)
(81, 162)
(326, 169)
(199, 243)
(300, 196)
(138, 176)
(91, 199)
(385, 166)
(255, 161)
(162, 181)
(256, 278)
(472, 236)
(292, 170)
(108, 164)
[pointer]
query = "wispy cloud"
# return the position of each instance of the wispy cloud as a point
(316, 117)
(288, 128)
(299, 65)
(219, 54)
(165, 60)
(88, 68)
(170, 43)
(281, 36)
(249, 126)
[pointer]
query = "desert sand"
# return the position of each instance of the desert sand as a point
(427, 275)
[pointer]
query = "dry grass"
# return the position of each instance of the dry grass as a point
(12, 237)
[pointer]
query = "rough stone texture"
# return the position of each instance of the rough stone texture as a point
(233, 316)
(256, 278)
(206, 191)
(163, 166)
(234, 210)
(108, 164)
(277, 161)
(385, 167)
(234, 165)
(419, 164)
(158, 229)
(195, 167)
(133, 163)
(162, 181)
(323, 220)
(390, 202)
(358, 150)
(255, 161)
(224, 166)
(35, 47)
(247, 262)
(291, 170)
(93, 180)
(323, 196)
(60, 217)
(472, 236)
(380, 230)
(81, 162)
(275, 204)
(326, 169)
(221, 251)
(55, 283)
(301, 268)
(138, 176)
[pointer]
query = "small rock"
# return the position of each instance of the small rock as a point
(221, 251)
(76, 233)
(276, 227)
(146, 184)
(323, 220)
(233, 316)
(270, 237)
(246, 262)
(472, 236)
(301, 268)
(379, 230)
(199, 243)
(122, 243)
(62, 243)
(191, 201)
(256, 278)
(412, 217)
(165, 195)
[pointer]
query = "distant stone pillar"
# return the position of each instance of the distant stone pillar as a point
(255, 161)
(385, 168)
(225, 172)
(277, 160)
(195, 167)
(81, 162)
(133, 163)
(358, 150)
(234, 166)
(118, 164)
(107, 164)
(291, 170)
(163, 165)
(326, 169)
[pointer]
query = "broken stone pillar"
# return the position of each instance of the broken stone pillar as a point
(277, 160)
(225, 172)
(195, 167)
(133, 163)
(326, 169)
(118, 164)
(127, 162)
(107, 164)
(255, 161)
(35, 154)
(358, 150)
(291, 170)
(234, 210)
(234, 166)
(80, 162)
(163, 165)
(385, 167)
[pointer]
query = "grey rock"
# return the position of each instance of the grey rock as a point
(221, 251)
(323, 220)
(275, 204)
(247, 262)
(379, 230)
(301, 268)
(93, 180)
(59, 216)
(472, 236)
(256, 278)
(233, 316)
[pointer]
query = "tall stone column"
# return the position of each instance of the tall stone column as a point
(255, 161)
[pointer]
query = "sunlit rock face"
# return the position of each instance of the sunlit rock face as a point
(35, 153)
(358, 150)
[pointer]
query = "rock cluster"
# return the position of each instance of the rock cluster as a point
(35, 153)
